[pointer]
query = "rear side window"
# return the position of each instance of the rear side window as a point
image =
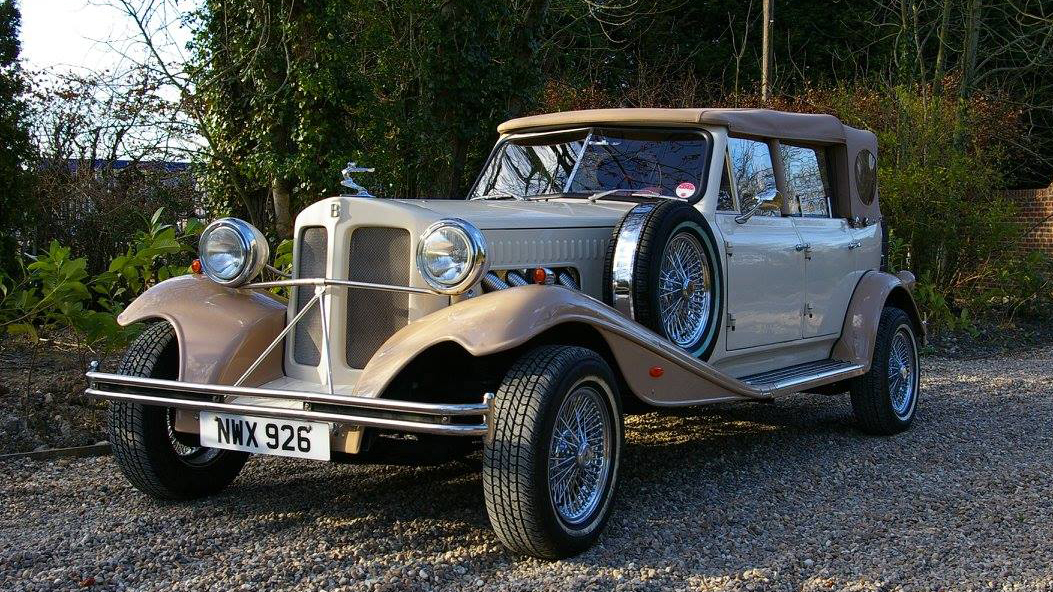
(726, 199)
(807, 180)
(752, 169)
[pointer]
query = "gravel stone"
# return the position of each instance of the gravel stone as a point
(785, 496)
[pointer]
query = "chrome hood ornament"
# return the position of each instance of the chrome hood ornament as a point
(359, 191)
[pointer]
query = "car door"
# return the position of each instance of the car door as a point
(830, 261)
(765, 270)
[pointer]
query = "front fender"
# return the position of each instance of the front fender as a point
(221, 331)
(875, 290)
(502, 320)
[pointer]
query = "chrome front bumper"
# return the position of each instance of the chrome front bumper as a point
(471, 419)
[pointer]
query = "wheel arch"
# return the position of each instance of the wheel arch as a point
(501, 323)
(875, 291)
(220, 331)
(488, 369)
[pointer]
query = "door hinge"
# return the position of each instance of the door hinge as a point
(731, 321)
(727, 248)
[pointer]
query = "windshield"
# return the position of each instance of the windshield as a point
(651, 163)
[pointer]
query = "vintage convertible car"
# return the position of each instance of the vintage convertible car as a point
(606, 261)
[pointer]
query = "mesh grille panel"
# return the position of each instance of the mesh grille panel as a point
(307, 341)
(381, 256)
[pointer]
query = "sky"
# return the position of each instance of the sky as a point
(73, 34)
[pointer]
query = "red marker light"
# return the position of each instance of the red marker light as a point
(656, 371)
(195, 266)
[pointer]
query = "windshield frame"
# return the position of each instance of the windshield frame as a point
(700, 193)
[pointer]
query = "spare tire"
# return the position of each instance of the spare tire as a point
(662, 270)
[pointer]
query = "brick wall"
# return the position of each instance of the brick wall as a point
(1035, 214)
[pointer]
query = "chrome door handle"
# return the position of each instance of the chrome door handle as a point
(854, 245)
(800, 247)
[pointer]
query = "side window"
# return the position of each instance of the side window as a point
(807, 180)
(752, 169)
(725, 199)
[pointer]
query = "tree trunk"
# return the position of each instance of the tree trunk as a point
(281, 198)
(941, 40)
(972, 38)
(457, 164)
(769, 17)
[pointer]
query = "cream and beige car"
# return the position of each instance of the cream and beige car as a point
(605, 262)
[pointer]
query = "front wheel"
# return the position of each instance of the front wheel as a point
(152, 455)
(885, 398)
(550, 469)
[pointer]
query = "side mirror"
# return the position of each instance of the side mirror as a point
(769, 200)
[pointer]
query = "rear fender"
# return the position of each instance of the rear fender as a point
(221, 331)
(499, 321)
(875, 291)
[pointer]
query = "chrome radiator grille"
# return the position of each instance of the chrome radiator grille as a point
(307, 340)
(382, 256)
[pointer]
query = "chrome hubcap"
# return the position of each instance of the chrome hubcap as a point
(902, 373)
(580, 454)
(684, 290)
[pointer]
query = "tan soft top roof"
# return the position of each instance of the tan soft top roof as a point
(753, 122)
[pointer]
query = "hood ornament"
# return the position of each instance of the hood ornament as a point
(348, 182)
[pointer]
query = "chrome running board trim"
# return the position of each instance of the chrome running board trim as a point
(802, 376)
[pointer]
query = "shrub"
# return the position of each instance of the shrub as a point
(53, 291)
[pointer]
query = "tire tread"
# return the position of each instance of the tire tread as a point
(509, 484)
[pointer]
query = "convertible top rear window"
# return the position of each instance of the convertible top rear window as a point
(662, 163)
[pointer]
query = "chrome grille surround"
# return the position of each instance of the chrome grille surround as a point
(379, 255)
(307, 339)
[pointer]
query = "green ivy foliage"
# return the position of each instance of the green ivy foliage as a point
(295, 90)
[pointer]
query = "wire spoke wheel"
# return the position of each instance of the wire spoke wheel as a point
(580, 454)
(684, 292)
(902, 373)
(194, 455)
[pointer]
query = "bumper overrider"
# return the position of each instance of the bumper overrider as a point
(461, 419)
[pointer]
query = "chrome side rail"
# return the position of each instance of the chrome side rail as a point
(407, 416)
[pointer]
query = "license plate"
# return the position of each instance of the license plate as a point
(281, 437)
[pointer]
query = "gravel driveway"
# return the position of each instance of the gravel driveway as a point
(786, 496)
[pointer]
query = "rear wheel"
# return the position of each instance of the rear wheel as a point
(550, 470)
(155, 458)
(885, 398)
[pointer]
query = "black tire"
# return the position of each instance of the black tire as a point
(516, 461)
(142, 438)
(660, 226)
(873, 404)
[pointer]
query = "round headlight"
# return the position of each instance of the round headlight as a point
(232, 252)
(451, 255)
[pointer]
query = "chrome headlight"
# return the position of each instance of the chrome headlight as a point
(232, 252)
(451, 255)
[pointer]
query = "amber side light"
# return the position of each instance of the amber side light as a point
(195, 266)
(656, 371)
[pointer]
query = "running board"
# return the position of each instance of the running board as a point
(802, 376)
